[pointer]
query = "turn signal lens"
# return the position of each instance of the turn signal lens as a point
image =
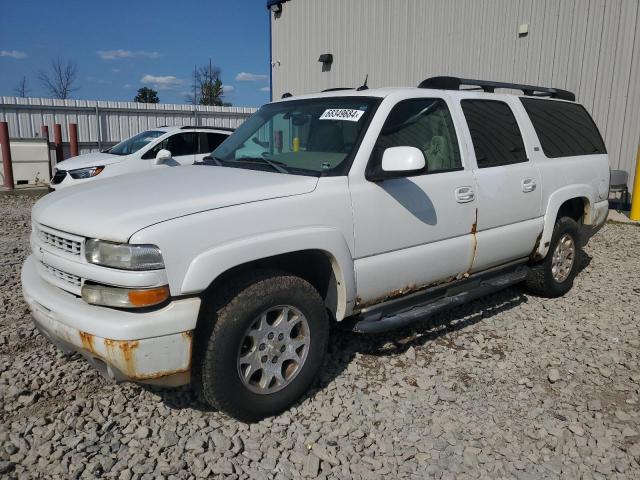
(146, 298)
(124, 297)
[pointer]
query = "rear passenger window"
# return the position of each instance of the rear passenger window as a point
(423, 123)
(494, 132)
(564, 129)
(182, 144)
(210, 141)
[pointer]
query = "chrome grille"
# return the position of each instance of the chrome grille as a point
(74, 280)
(68, 245)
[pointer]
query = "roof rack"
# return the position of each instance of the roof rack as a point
(337, 88)
(206, 127)
(454, 83)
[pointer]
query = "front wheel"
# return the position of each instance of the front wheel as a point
(263, 347)
(553, 276)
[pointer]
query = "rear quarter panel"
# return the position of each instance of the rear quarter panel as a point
(564, 178)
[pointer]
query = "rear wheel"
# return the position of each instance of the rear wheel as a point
(553, 276)
(263, 346)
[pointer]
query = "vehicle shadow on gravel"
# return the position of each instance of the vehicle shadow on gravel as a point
(345, 345)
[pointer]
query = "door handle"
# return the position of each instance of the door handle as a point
(465, 194)
(528, 185)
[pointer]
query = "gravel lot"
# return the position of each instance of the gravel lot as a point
(512, 386)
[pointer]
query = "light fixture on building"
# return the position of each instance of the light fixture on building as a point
(275, 6)
(326, 58)
(523, 30)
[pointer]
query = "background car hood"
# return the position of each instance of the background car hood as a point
(115, 208)
(89, 160)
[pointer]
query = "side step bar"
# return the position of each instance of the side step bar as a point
(382, 319)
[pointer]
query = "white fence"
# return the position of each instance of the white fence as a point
(102, 123)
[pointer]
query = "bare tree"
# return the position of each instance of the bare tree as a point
(207, 86)
(60, 81)
(21, 90)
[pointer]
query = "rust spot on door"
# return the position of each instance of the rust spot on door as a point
(534, 255)
(474, 245)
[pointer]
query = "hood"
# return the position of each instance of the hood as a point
(89, 160)
(115, 208)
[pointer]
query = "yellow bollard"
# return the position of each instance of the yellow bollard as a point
(296, 144)
(635, 202)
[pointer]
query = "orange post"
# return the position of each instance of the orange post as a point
(73, 139)
(57, 141)
(6, 155)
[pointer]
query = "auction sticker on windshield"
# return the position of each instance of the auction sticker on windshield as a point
(348, 114)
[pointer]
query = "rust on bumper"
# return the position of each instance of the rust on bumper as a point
(137, 359)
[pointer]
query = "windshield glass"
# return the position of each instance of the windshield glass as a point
(135, 143)
(306, 137)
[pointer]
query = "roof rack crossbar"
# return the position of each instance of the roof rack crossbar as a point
(335, 89)
(454, 83)
(208, 127)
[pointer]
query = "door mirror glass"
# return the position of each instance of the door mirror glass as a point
(402, 161)
(163, 156)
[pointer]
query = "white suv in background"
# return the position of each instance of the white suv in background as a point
(160, 147)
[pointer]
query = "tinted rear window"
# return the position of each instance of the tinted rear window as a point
(494, 132)
(564, 129)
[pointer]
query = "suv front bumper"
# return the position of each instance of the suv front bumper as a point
(149, 347)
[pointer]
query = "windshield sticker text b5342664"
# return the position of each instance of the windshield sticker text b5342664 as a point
(348, 114)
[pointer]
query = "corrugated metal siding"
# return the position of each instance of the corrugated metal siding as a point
(591, 47)
(108, 122)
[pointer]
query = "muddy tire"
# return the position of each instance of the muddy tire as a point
(553, 276)
(262, 342)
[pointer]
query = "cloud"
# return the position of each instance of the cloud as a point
(13, 54)
(265, 89)
(116, 54)
(160, 82)
(228, 89)
(115, 70)
(250, 77)
(127, 86)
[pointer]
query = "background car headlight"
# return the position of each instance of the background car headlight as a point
(85, 172)
(123, 255)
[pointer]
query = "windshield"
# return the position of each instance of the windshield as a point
(135, 143)
(305, 137)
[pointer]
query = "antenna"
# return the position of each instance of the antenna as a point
(364, 85)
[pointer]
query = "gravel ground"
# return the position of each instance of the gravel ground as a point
(512, 386)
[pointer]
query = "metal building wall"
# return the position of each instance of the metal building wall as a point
(102, 124)
(591, 47)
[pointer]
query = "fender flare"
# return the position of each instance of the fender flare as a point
(556, 199)
(210, 264)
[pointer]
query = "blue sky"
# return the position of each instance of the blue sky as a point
(120, 46)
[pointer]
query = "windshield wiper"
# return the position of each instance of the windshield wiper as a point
(275, 165)
(208, 160)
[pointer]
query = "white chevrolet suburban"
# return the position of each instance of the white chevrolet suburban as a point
(372, 208)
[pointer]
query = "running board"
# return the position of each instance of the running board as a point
(383, 319)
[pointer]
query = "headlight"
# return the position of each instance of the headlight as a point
(85, 172)
(124, 297)
(123, 255)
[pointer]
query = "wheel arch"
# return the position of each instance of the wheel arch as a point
(320, 256)
(576, 202)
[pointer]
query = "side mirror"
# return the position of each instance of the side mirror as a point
(398, 162)
(163, 156)
(403, 160)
